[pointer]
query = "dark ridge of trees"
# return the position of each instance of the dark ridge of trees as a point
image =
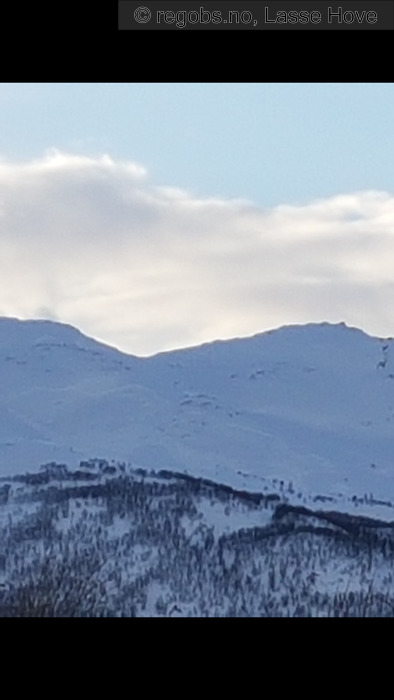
(354, 524)
(146, 543)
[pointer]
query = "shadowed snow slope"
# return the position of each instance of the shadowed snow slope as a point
(313, 404)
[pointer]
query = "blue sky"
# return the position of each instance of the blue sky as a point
(155, 216)
(271, 143)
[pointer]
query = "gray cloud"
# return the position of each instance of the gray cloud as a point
(93, 242)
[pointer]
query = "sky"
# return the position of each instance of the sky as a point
(155, 216)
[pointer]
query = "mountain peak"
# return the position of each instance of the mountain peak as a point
(34, 327)
(311, 403)
(15, 332)
(17, 335)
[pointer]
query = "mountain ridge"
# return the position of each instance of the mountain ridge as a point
(41, 324)
(312, 404)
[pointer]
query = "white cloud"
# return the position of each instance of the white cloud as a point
(91, 241)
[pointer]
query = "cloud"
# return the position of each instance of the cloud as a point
(93, 242)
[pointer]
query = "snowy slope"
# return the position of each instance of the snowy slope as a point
(309, 404)
(112, 541)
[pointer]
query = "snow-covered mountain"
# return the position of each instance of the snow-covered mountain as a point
(107, 540)
(234, 478)
(312, 405)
